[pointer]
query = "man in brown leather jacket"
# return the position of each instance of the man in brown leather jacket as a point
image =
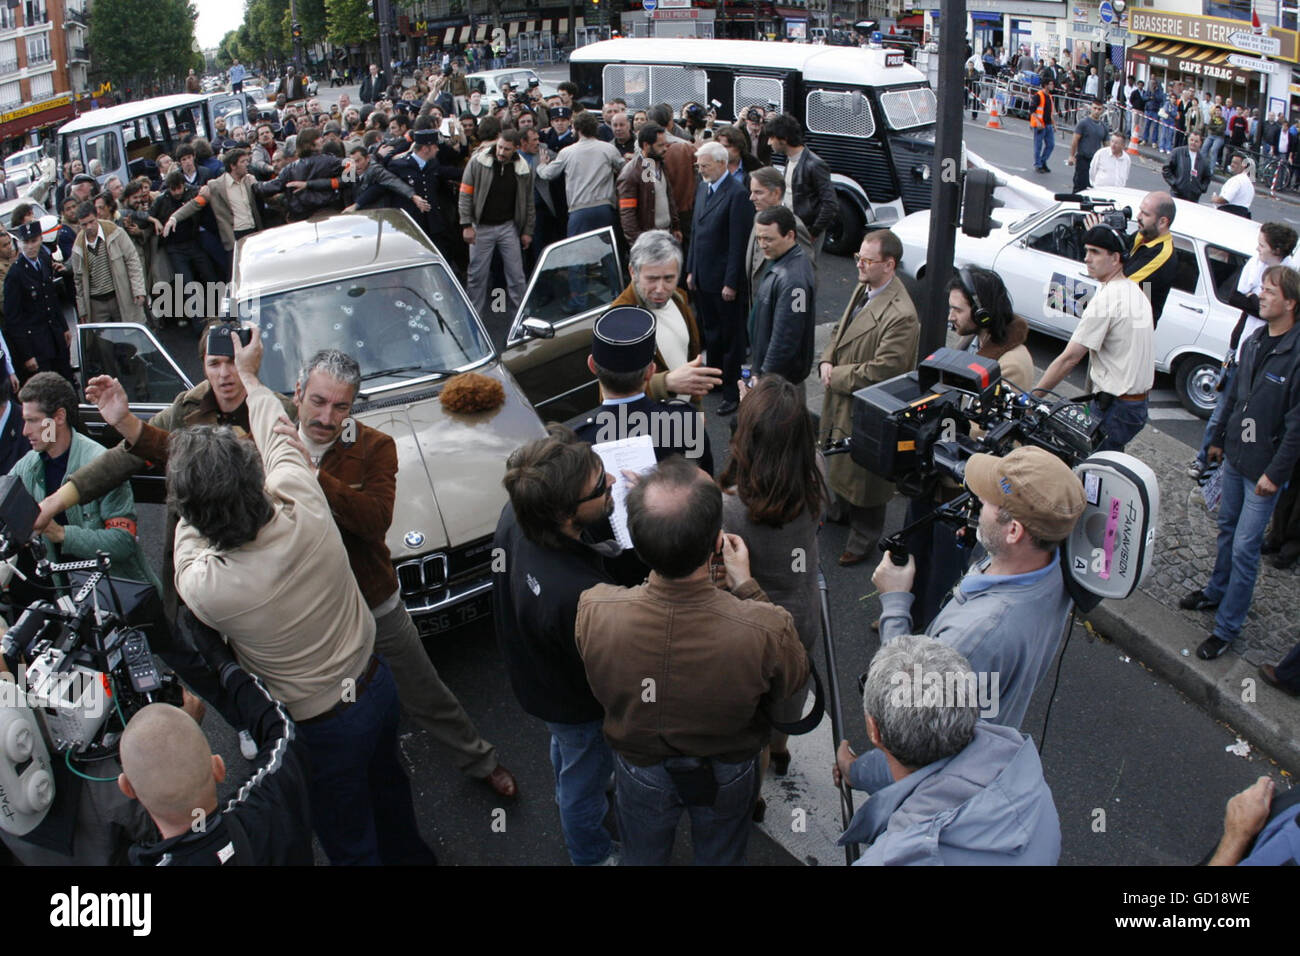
(686, 673)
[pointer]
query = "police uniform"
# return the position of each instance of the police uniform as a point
(424, 180)
(557, 217)
(624, 341)
(34, 323)
(556, 141)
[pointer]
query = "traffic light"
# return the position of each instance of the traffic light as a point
(978, 203)
(297, 32)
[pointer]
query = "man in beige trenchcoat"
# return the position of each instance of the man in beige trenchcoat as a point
(106, 271)
(874, 340)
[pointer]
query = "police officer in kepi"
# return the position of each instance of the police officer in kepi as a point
(34, 325)
(623, 360)
(556, 141)
(421, 170)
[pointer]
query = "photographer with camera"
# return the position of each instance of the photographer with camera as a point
(305, 629)
(168, 767)
(1115, 332)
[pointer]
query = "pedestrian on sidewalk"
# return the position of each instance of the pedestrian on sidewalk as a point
(1259, 445)
(1089, 136)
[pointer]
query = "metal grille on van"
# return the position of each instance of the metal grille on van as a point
(759, 91)
(832, 112)
(905, 109)
(676, 84)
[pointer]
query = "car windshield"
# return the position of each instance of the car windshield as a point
(399, 325)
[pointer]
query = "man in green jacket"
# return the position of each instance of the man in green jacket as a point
(104, 524)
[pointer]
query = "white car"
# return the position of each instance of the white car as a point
(1039, 255)
(492, 83)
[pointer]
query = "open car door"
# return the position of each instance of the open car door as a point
(547, 345)
(152, 379)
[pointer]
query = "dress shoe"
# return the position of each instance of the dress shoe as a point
(502, 781)
(1211, 648)
(780, 763)
(850, 558)
(728, 408)
(1046, 169)
(1197, 601)
(1285, 560)
(760, 811)
(1269, 673)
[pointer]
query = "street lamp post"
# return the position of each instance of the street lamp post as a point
(384, 18)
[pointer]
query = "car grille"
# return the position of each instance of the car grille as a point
(910, 152)
(445, 577)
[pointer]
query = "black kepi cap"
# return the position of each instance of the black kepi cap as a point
(32, 230)
(561, 112)
(425, 137)
(624, 339)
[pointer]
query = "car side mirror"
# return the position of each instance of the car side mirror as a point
(537, 329)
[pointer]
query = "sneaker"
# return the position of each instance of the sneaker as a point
(1211, 648)
(1197, 601)
(247, 746)
(1045, 168)
(1196, 468)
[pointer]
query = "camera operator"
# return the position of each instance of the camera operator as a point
(961, 791)
(104, 524)
(1260, 828)
(1151, 262)
(1115, 332)
(259, 558)
(721, 660)
(168, 767)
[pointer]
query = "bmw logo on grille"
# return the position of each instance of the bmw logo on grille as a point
(413, 539)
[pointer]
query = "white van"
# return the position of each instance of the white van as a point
(864, 110)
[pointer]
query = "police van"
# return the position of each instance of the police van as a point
(866, 111)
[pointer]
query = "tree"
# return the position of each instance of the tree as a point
(131, 57)
(349, 22)
(228, 49)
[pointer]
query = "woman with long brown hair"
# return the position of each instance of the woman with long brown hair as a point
(773, 495)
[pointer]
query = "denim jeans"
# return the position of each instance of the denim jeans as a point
(1044, 143)
(1121, 422)
(1210, 151)
(361, 803)
(1220, 412)
(649, 807)
(1243, 518)
(1151, 131)
(583, 762)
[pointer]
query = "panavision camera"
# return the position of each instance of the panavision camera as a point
(78, 659)
(921, 428)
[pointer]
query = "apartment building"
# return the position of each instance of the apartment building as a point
(43, 64)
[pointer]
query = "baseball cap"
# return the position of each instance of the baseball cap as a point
(1039, 489)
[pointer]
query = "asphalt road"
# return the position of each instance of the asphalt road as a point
(1139, 773)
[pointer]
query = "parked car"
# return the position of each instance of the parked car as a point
(1039, 254)
(400, 312)
(22, 166)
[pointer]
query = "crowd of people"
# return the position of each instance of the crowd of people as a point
(677, 666)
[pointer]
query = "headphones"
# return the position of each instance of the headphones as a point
(983, 318)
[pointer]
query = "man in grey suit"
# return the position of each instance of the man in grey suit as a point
(715, 266)
(767, 190)
(1187, 172)
(232, 201)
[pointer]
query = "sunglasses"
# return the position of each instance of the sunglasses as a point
(602, 487)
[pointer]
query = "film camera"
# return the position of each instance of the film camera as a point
(81, 658)
(922, 427)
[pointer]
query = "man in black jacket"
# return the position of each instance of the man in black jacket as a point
(167, 766)
(1187, 173)
(1259, 445)
(373, 186)
(311, 166)
(807, 177)
(558, 487)
(184, 251)
(421, 169)
(373, 86)
(34, 326)
(783, 317)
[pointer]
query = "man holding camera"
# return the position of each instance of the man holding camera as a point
(1115, 332)
(686, 673)
(306, 629)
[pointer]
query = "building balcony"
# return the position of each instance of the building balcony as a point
(79, 17)
(78, 54)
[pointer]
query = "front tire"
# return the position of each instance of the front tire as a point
(1195, 380)
(844, 235)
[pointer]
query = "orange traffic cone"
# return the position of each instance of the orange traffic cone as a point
(993, 114)
(1133, 143)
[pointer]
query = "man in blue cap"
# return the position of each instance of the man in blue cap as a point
(34, 325)
(623, 360)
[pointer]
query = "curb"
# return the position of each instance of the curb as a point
(1140, 625)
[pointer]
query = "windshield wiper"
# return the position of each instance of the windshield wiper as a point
(397, 370)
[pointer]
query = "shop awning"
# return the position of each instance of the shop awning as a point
(449, 37)
(514, 29)
(564, 25)
(464, 34)
(913, 22)
(579, 23)
(1187, 58)
(481, 33)
(532, 27)
(546, 26)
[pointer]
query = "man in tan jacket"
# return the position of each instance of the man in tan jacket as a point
(686, 673)
(106, 270)
(233, 204)
(875, 340)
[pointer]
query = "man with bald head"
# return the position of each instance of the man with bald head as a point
(168, 765)
(688, 738)
(1152, 262)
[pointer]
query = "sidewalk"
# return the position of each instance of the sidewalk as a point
(1150, 627)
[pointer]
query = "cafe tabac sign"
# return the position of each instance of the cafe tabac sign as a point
(1209, 31)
